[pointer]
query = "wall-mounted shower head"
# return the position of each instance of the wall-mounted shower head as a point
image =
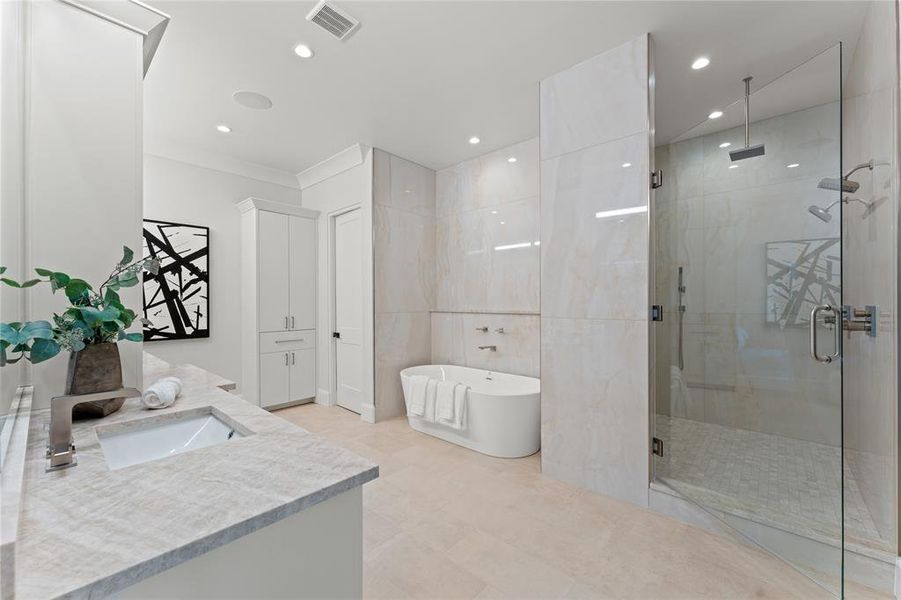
(748, 151)
(820, 213)
(844, 186)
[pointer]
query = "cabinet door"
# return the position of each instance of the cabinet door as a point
(274, 269)
(303, 273)
(274, 378)
(303, 374)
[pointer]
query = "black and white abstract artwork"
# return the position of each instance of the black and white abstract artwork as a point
(176, 300)
(801, 274)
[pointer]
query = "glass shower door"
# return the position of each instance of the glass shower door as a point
(748, 388)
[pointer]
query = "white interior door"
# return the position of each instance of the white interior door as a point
(349, 310)
(275, 271)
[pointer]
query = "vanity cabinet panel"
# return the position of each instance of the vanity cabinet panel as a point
(278, 302)
(303, 374)
(274, 272)
(274, 378)
(302, 308)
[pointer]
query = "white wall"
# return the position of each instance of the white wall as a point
(83, 162)
(338, 190)
(12, 302)
(185, 193)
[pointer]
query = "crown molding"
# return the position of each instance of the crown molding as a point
(217, 162)
(340, 162)
(278, 207)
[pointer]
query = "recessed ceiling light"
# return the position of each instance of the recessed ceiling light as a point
(252, 100)
(474, 140)
(733, 166)
(725, 144)
(792, 166)
(715, 114)
(303, 51)
(223, 129)
(494, 212)
(503, 222)
(700, 63)
(626, 165)
(511, 160)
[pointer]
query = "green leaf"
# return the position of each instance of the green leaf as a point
(110, 297)
(58, 281)
(10, 282)
(128, 280)
(44, 272)
(12, 334)
(127, 256)
(76, 289)
(134, 337)
(30, 283)
(2, 270)
(42, 350)
(38, 329)
(94, 317)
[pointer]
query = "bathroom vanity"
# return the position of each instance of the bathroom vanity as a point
(268, 510)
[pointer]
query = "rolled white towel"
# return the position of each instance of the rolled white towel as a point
(162, 393)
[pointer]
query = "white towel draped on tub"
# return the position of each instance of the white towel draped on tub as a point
(418, 385)
(454, 413)
(444, 400)
(162, 393)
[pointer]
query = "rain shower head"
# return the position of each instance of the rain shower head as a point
(820, 213)
(748, 151)
(846, 186)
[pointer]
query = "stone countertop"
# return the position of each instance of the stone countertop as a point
(155, 368)
(88, 531)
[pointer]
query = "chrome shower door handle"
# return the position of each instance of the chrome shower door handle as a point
(837, 315)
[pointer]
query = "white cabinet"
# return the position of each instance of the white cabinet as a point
(278, 273)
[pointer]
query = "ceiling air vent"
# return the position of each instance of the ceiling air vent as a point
(333, 19)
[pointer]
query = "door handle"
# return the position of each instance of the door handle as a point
(286, 322)
(336, 335)
(292, 321)
(286, 359)
(292, 358)
(837, 315)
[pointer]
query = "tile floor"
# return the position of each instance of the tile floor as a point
(445, 522)
(792, 484)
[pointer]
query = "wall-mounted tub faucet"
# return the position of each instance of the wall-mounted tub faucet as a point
(500, 330)
(491, 348)
(483, 329)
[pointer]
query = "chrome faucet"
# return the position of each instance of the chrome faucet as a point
(491, 348)
(61, 448)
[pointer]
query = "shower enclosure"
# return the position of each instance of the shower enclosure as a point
(748, 377)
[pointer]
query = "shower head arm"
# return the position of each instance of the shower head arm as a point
(867, 165)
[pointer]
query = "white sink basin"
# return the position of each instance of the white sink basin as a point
(154, 438)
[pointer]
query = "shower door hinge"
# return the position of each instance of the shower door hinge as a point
(657, 447)
(657, 312)
(656, 179)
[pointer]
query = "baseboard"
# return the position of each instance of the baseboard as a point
(324, 397)
(367, 413)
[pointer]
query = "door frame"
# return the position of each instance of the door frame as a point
(332, 322)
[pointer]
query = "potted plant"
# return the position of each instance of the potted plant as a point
(89, 329)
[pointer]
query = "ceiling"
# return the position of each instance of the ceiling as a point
(419, 78)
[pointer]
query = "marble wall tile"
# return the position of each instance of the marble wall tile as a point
(869, 253)
(596, 267)
(404, 273)
(595, 150)
(399, 343)
(404, 260)
(487, 259)
(595, 405)
(456, 338)
(601, 99)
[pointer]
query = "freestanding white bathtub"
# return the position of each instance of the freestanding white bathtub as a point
(503, 411)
